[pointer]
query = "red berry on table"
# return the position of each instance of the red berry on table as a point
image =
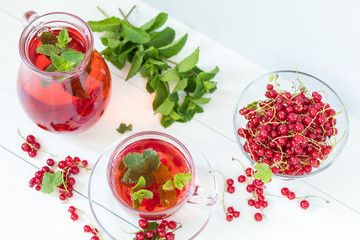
(30, 139)
(74, 217)
(84, 163)
(50, 162)
(172, 225)
(250, 188)
(150, 234)
(143, 223)
(304, 204)
(285, 191)
(230, 189)
(72, 209)
(62, 164)
(251, 202)
(62, 197)
(71, 181)
(236, 214)
(76, 159)
(94, 231)
(258, 217)
(37, 188)
(75, 170)
(36, 145)
(32, 153)
(140, 236)
(291, 195)
(161, 234)
(170, 236)
(248, 172)
(87, 228)
(164, 223)
(229, 218)
(241, 179)
(229, 182)
(230, 209)
(95, 238)
(264, 204)
(25, 147)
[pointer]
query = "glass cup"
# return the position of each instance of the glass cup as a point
(193, 193)
(62, 102)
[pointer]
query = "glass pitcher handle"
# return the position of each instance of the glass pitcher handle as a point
(28, 17)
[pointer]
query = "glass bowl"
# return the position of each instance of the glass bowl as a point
(286, 79)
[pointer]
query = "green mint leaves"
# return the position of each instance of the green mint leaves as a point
(148, 50)
(63, 58)
(124, 128)
(263, 173)
(180, 181)
(141, 166)
(51, 180)
(140, 194)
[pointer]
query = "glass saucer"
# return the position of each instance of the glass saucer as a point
(114, 221)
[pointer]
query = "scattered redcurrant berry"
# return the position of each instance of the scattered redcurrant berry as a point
(258, 217)
(304, 204)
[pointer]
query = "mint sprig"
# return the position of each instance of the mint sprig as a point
(179, 87)
(63, 58)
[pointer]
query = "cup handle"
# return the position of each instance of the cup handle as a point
(28, 17)
(203, 197)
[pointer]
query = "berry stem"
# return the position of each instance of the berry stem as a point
(223, 193)
(91, 224)
(33, 145)
(180, 226)
(302, 197)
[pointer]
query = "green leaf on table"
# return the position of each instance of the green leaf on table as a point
(48, 38)
(173, 48)
(134, 34)
(161, 94)
(180, 85)
(201, 100)
(263, 173)
(123, 56)
(189, 62)
(162, 38)
(160, 64)
(181, 179)
(136, 63)
(63, 38)
(106, 25)
(209, 75)
(48, 49)
(155, 23)
(166, 107)
(169, 185)
(252, 105)
(124, 128)
(141, 166)
(169, 75)
(198, 93)
(209, 86)
(51, 180)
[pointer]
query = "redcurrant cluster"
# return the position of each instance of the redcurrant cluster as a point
(73, 213)
(304, 204)
(231, 214)
(31, 146)
(152, 230)
(289, 132)
(92, 230)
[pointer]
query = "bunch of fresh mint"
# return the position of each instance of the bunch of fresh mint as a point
(179, 87)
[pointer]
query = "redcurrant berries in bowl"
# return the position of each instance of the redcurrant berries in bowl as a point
(292, 121)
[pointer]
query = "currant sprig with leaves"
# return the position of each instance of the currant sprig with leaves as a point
(179, 87)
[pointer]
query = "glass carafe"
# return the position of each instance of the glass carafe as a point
(63, 102)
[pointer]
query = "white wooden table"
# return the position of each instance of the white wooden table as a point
(27, 214)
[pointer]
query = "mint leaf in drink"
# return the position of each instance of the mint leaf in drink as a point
(263, 173)
(169, 185)
(155, 23)
(140, 184)
(51, 180)
(181, 179)
(63, 38)
(124, 128)
(48, 38)
(189, 62)
(48, 49)
(108, 24)
(173, 48)
(141, 166)
(50, 68)
(139, 196)
(60, 63)
(73, 57)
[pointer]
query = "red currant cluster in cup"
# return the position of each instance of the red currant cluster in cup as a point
(152, 230)
(289, 132)
(31, 146)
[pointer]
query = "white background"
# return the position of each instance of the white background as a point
(321, 37)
